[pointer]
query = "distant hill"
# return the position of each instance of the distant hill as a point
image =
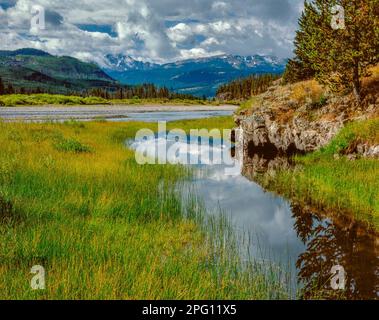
(31, 69)
(195, 76)
(24, 52)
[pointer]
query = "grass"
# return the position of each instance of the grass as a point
(245, 105)
(56, 99)
(308, 92)
(71, 145)
(300, 93)
(223, 122)
(249, 105)
(48, 99)
(73, 200)
(338, 184)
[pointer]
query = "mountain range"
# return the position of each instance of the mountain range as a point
(195, 76)
(32, 69)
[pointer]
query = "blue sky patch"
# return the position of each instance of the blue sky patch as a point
(98, 28)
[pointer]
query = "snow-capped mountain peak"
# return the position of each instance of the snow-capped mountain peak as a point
(122, 62)
(199, 76)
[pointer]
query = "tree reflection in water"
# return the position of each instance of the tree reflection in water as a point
(330, 239)
(336, 241)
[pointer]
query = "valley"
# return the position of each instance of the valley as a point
(177, 150)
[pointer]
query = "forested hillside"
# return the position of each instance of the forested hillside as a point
(243, 89)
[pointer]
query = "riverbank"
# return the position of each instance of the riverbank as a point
(340, 171)
(336, 178)
(44, 99)
(73, 200)
(42, 113)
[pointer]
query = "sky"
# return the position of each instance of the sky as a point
(151, 30)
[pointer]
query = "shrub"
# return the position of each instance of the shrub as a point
(71, 145)
(308, 92)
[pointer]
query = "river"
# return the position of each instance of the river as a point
(315, 247)
(145, 113)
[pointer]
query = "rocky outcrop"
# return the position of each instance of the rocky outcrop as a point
(281, 126)
(369, 151)
(298, 135)
(358, 149)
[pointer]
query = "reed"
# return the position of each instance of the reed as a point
(74, 200)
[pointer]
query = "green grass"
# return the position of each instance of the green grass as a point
(223, 122)
(57, 99)
(71, 145)
(248, 104)
(338, 184)
(48, 99)
(106, 228)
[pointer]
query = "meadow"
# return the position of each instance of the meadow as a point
(74, 200)
(13, 100)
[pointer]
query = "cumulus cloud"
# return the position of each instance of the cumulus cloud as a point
(159, 31)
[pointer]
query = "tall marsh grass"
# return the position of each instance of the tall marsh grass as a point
(104, 227)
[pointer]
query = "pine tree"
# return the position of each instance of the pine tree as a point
(10, 89)
(2, 88)
(339, 57)
(242, 89)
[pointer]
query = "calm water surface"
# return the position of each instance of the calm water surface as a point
(308, 242)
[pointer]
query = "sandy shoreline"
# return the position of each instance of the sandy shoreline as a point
(93, 112)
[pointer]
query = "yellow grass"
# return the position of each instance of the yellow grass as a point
(74, 200)
(307, 91)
